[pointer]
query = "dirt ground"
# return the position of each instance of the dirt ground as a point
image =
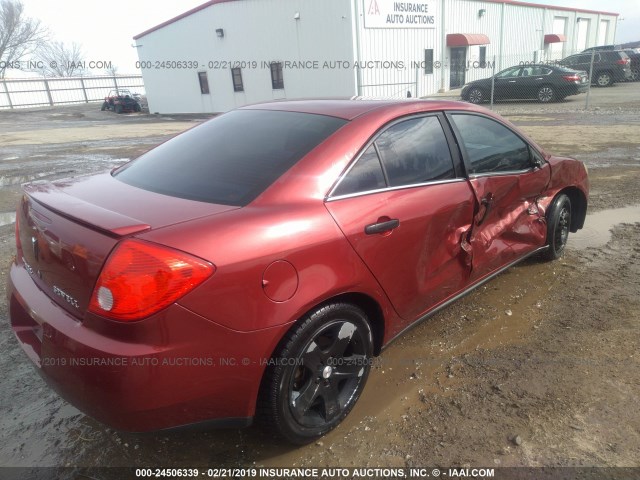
(539, 367)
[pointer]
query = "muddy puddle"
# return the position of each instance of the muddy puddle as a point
(7, 218)
(597, 227)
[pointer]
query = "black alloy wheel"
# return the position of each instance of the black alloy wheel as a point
(558, 227)
(475, 96)
(319, 373)
(546, 94)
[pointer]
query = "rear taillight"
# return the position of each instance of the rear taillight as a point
(623, 61)
(141, 278)
(571, 78)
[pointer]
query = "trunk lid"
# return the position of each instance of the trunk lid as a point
(66, 230)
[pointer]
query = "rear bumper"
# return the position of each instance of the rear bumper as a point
(622, 74)
(573, 89)
(175, 368)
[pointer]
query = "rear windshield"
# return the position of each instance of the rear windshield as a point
(230, 159)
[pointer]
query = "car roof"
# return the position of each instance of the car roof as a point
(349, 109)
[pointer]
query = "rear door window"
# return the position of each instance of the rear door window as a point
(410, 152)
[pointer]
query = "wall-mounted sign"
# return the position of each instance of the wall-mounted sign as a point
(399, 14)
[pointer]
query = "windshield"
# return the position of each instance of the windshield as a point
(230, 159)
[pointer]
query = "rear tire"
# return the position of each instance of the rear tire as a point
(318, 374)
(558, 226)
(476, 96)
(546, 94)
(604, 79)
(635, 75)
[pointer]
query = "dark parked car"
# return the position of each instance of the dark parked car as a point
(609, 66)
(601, 47)
(544, 82)
(253, 265)
(121, 101)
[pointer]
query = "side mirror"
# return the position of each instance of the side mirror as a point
(537, 161)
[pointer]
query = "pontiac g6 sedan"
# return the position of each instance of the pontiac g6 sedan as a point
(252, 266)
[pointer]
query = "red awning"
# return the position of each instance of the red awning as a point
(466, 39)
(554, 38)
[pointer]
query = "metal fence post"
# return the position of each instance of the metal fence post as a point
(84, 91)
(46, 87)
(115, 82)
(593, 54)
(493, 81)
(6, 90)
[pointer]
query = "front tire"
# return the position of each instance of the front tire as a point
(546, 94)
(104, 106)
(118, 108)
(317, 376)
(558, 226)
(476, 96)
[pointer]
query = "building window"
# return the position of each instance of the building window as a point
(236, 77)
(483, 57)
(428, 61)
(204, 83)
(277, 81)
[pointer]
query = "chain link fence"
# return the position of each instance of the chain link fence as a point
(570, 81)
(37, 92)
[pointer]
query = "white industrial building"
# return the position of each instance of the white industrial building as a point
(228, 53)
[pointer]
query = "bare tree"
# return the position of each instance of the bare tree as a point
(112, 70)
(55, 59)
(19, 35)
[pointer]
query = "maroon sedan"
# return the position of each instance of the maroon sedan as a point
(253, 265)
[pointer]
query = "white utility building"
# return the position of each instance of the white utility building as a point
(228, 53)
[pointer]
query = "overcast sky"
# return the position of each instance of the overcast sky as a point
(105, 28)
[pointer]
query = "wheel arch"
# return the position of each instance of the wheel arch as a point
(366, 303)
(578, 206)
(372, 310)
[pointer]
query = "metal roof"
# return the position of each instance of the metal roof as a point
(507, 2)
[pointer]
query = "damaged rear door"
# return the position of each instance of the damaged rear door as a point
(405, 207)
(507, 176)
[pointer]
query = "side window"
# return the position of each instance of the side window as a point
(491, 147)
(277, 80)
(204, 83)
(236, 78)
(365, 175)
(415, 151)
(509, 72)
(542, 71)
(411, 152)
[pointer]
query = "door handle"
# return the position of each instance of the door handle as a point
(382, 227)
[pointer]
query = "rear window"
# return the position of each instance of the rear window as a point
(230, 159)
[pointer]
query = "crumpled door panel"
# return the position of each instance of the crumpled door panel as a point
(508, 222)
